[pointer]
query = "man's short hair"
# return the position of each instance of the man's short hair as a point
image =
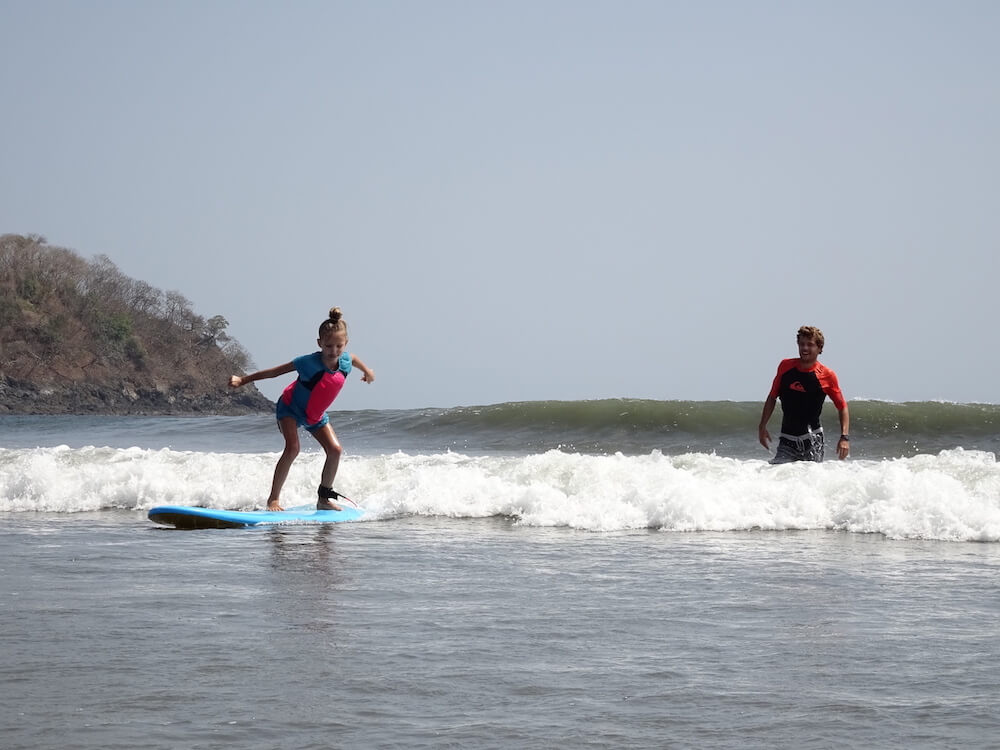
(811, 332)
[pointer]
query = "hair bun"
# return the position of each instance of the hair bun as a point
(334, 323)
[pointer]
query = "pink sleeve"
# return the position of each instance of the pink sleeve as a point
(784, 366)
(831, 386)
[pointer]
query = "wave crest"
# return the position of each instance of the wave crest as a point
(953, 495)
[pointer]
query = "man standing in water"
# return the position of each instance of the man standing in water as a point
(802, 385)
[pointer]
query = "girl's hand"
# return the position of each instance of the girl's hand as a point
(368, 375)
(235, 381)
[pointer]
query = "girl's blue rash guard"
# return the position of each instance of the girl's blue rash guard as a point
(308, 397)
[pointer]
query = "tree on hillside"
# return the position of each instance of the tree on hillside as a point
(49, 293)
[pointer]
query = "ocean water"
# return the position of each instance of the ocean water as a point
(596, 574)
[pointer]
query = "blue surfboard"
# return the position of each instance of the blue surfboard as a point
(188, 517)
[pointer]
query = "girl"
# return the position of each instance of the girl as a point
(304, 403)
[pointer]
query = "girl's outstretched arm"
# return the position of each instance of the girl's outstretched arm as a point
(369, 374)
(237, 380)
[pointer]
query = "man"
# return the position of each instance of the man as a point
(802, 385)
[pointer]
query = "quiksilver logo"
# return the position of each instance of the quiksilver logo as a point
(797, 386)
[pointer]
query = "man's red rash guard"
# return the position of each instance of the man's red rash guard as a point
(802, 393)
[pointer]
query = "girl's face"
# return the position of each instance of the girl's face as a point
(332, 345)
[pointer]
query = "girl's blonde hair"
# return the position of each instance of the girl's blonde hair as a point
(334, 323)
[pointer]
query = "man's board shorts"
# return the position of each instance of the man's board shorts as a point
(808, 447)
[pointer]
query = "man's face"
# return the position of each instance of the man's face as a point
(808, 350)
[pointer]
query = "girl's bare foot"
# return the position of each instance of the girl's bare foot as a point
(327, 505)
(274, 506)
(326, 497)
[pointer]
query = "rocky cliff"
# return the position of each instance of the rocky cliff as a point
(79, 337)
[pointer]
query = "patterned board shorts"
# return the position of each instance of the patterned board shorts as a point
(808, 447)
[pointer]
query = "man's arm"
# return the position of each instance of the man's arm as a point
(843, 446)
(762, 434)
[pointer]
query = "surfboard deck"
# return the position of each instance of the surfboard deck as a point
(189, 517)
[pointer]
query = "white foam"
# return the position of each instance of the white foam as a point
(954, 495)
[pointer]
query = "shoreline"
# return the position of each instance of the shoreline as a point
(125, 398)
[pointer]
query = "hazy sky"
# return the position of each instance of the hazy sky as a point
(541, 199)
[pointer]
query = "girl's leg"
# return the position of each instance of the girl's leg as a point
(290, 431)
(328, 439)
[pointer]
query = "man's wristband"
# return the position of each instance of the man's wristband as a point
(845, 438)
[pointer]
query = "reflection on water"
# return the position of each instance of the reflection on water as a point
(308, 573)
